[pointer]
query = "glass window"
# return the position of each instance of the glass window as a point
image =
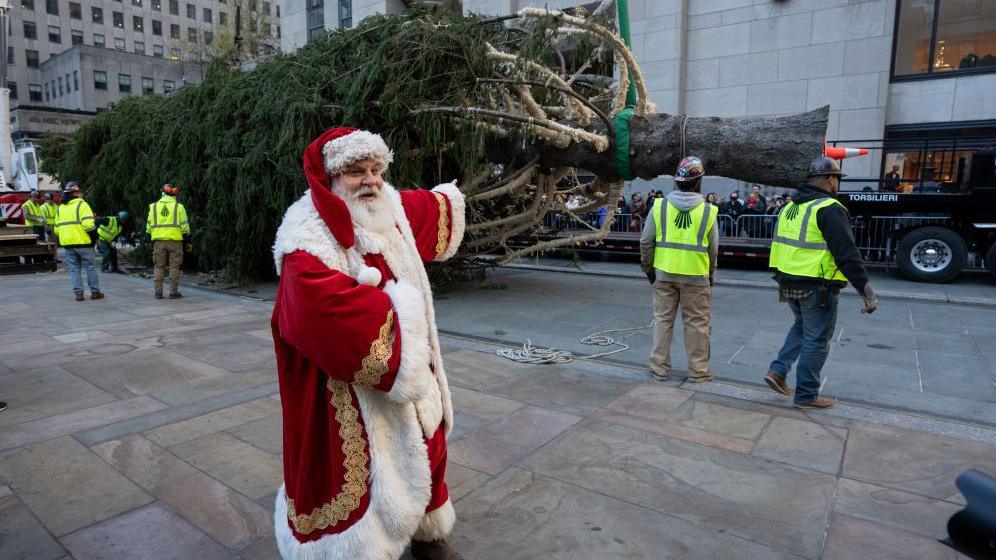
(119, 43)
(139, 47)
(12, 86)
(191, 11)
(75, 10)
(191, 35)
(174, 31)
(52, 7)
(76, 80)
(98, 40)
(47, 96)
(157, 5)
(10, 55)
(60, 86)
(266, 29)
(222, 18)
(345, 14)
(54, 34)
(157, 51)
(28, 5)
(252, 5)
(944, 36)
(77, 36)
(99, 79)
(168, 86)
(32, 58)
(174, 7)
(136, 3)
(118, 19)
(34, 92)
(30, 30)
(97, 15)
(157, 28)
(207, 15)
(124, 83)
(208, 37)
(266, 7)
(138, 23)
(316, 18)
(148, 86)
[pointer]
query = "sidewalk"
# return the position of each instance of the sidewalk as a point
(151, 429)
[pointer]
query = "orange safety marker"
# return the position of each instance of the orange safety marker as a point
(840, 152)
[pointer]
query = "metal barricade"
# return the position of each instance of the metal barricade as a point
(876, 235)
(755, 226)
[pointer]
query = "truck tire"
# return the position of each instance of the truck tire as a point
(991, 259)
(931, 254)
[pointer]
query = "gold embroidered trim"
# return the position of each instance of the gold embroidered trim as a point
(443, 238)
(355, 485)
(374, 366)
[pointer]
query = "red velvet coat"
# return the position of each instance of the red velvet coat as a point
(361, 377)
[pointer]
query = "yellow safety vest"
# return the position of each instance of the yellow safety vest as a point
(50, 211)
(799, 247)
(32, 214)
(681, 240)
(73, 221)
(167, 220)
(110, 231)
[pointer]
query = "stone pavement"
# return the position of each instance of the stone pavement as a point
(151, 429)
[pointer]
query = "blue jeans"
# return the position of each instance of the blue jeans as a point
(78, 258)
(808, 341)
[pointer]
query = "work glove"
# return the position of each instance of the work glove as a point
(651, 276)
(871, 302)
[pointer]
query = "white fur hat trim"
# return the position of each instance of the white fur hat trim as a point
(353, 147)
(369, 276)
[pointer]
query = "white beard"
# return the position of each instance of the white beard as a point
(375, 216)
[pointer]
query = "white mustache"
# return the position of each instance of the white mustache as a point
(363, 191)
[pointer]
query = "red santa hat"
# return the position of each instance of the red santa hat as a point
(327, 156)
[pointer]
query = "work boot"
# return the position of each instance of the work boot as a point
(177, 295)
(96, 295)
(3, 406)
(159, 295)
(777, 383)
(434, 550)
(818, 403)
(700, 377)
(79, 297)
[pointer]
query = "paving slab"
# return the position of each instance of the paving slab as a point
(47, 391)
(233, 462)
(778, 505)
(909, 512)
(461, 480)
(522, 515)
(230, 518)
(267, 433)
(917, 462)
(803, 444)
(68, 487)
(143, 371)
(482, 405)
(561, 388)
(148, 532)
(851, 538)
(232, 352)
(499, 446)
(216, 421)
(263, 549)
(194, 391)
(22, 536)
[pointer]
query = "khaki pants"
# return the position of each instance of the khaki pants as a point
(695, 302)
(167, 253)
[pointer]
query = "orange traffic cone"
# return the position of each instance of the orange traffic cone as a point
(840, 152)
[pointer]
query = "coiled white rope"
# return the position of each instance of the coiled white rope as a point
(533, 355)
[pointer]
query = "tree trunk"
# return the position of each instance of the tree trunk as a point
(773, 151)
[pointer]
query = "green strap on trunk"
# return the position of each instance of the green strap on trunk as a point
(620, 125)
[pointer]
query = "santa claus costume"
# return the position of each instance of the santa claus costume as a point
(366, 405)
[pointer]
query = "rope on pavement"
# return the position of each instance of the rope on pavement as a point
(534, 355)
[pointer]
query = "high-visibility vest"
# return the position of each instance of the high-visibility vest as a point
(110, 231)
(73, 221)
(32, 213)
(799, 247)
(681, 240)
(167, 220)
(50, 211)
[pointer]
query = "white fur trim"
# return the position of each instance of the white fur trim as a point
(400, 489)
(353, 147)
(458, 221)
(437, 524)
(414, 379)
(369, 276)
(303, 229)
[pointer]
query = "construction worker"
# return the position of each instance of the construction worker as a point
(167, 224)
(50, 209)
(33, 216)
(678, 252)
(76, 230)
(814, 256)
(108, 230)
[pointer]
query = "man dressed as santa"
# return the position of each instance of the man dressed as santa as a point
(366, 406)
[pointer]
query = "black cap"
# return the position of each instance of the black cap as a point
(824, 166)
